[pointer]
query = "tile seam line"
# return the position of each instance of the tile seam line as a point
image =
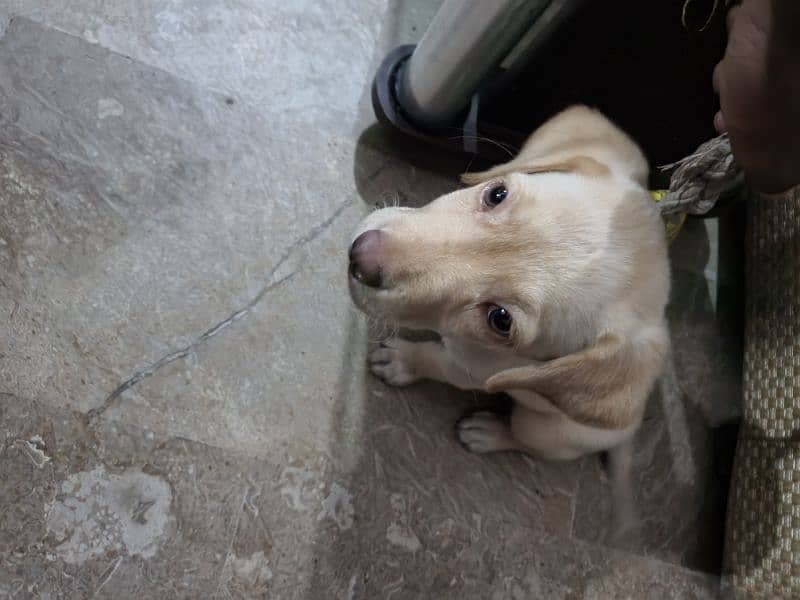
(270, 285)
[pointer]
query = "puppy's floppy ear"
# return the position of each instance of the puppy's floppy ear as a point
(602, 386)
(577, 139)
(581, 164)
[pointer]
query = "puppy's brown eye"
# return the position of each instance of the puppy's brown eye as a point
(494, 194)
(499, 320)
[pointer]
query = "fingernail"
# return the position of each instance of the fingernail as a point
(719, 122)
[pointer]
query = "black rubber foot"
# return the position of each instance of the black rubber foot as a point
(384, 101)
(461, 136)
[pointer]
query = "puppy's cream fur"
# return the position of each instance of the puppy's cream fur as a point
(576, 253)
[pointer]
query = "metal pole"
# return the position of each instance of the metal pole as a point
(465, 42)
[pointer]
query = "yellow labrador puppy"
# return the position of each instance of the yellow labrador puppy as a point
(547, 279)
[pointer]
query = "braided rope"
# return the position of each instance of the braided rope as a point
(701, 179)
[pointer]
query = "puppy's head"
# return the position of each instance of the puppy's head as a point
(527, 255)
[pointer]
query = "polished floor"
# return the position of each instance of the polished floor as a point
(184, 408)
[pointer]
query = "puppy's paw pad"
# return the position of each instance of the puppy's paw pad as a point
(484, 432)
(390, 363)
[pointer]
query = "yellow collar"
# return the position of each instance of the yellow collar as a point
(674, 222)
(658, 194)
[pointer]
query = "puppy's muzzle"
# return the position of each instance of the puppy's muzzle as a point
(365, 258)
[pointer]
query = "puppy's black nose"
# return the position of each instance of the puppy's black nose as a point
(365, 257)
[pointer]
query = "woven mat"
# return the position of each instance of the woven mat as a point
(763, 532)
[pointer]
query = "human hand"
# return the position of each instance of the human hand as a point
(758, 82)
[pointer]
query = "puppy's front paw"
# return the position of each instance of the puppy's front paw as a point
(393, 362)
(484, 432)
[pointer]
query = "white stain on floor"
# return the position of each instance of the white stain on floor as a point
(109, 107)
(338, 505)
(299, 487)
(403, 536)
(97, 511)
(399, 532)
(35, 449)
(253, 570)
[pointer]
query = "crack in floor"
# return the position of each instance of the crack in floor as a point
(270, 285)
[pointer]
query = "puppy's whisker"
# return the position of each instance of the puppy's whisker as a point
(381, 329)
(472, 379)
(388, 200)
(510, 150)
(375, 327)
